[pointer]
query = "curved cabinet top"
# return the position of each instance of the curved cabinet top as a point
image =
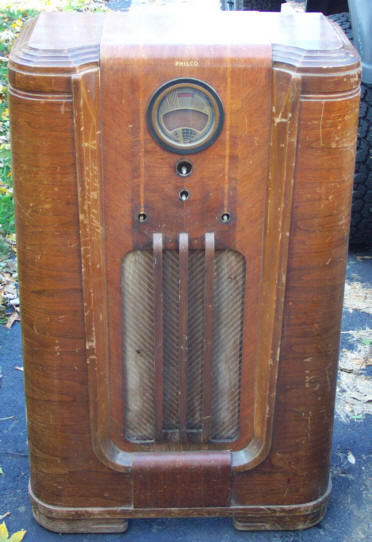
(57, 44)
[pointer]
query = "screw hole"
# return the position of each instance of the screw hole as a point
(184, 195)
(142, 217)
(183, 168)
(225, 218)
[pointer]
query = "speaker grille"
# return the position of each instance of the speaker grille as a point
(139, 301)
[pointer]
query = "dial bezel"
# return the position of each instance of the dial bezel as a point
(158, 133)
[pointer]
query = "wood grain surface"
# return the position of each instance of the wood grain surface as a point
(85, 165)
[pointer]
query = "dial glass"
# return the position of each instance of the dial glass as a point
(185, 116)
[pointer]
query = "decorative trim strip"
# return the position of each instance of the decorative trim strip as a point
(158, 246)
(208, 336)
(38, 96)
(88, 167)
(183, 330)
(286, 101)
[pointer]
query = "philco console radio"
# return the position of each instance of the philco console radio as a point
(182, 202)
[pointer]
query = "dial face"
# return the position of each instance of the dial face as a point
(185, 115)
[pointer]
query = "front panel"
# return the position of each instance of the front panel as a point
(194, 236)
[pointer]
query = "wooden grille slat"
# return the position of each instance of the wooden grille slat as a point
(183, 330)
(208, 336)
(158, 325)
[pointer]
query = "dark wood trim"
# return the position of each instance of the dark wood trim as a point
(208, 335)
(158, 246)
(183, 330)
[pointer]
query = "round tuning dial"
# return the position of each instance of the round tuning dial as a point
(185, 115)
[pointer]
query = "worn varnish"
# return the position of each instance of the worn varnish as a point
(236, 320)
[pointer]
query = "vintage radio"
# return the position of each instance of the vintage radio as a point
(182, 200)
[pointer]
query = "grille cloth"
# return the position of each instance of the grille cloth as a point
(138, 343)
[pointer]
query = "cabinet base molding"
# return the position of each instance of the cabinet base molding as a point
(115, 520)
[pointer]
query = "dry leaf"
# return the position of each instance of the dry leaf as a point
(351, 458)
(12, 318)
(16, 537)
(3, 532)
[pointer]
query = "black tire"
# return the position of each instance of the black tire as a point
(249, 5)
(328, 7)
(262, 5)
(361, 216)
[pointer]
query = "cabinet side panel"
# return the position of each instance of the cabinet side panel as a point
(52, 311)
(296, 471)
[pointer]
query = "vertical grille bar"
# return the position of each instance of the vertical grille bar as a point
(208, 335)
(183, 313)
(195, 335)
(157, 243)
(183, 325)
(171, 284)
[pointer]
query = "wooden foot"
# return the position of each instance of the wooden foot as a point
(282, 518)
(92, 525)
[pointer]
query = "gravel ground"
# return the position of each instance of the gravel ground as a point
(348, 518)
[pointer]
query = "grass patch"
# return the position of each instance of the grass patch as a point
(11, 22)
(13, 15)
(6, 195)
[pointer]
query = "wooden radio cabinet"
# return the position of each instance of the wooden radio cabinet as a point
(182, 203)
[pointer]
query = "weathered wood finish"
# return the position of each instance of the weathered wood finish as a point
(283, 168)
(207, 478)
(150, 181)
(208, 335)
(158, 244)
